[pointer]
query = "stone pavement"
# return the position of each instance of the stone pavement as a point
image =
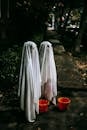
(68, 73)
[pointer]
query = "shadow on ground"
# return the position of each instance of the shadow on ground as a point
(74, 118)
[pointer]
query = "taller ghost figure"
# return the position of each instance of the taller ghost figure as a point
(48, 72)
(29, 81)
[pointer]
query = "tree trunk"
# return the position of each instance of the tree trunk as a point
(78, 41)
(82, 28)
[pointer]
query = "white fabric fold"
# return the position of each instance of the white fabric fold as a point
(30, 81)
(48, 72)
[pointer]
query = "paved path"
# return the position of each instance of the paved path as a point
(68, 73)
(74, 118)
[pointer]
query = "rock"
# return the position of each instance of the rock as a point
(59, 49)
(1, 95)
(81, 114)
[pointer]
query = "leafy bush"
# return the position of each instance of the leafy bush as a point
(10, 65)
(10, 59)
(38, 38)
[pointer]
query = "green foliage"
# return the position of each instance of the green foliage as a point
(75, 15)
(38, 38)
(10, 65)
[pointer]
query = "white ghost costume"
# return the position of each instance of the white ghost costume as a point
(30, 81)
(48, 72)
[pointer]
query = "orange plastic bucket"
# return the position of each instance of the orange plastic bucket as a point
(63, 103)
(43, 105)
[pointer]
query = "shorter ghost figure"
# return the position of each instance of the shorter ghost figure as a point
(48, 72)
(30, 81)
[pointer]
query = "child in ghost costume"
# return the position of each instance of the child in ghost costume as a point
(30, 81)
(48, 72)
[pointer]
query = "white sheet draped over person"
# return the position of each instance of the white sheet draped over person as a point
(48, 72)
(30, 81)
